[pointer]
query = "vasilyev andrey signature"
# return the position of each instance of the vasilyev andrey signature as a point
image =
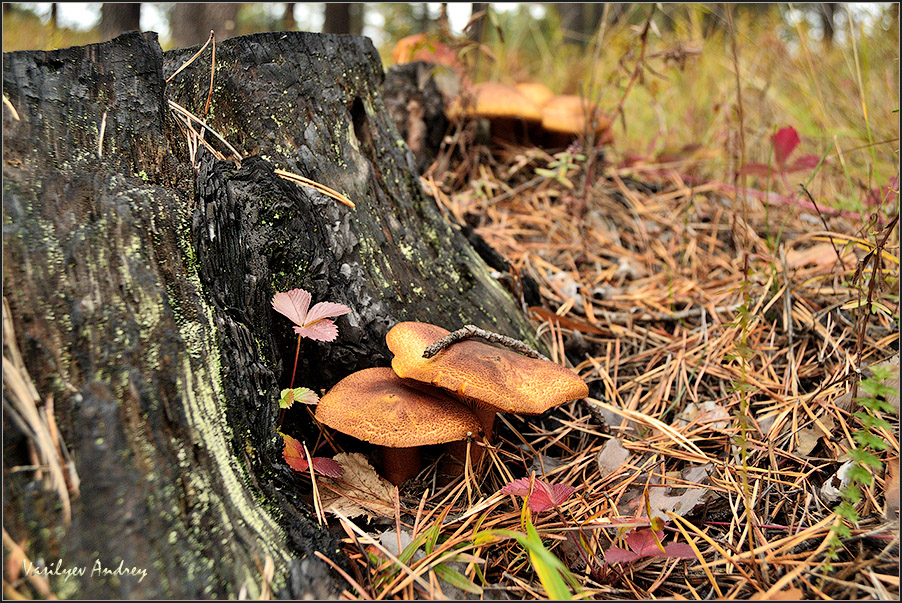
(97, 570)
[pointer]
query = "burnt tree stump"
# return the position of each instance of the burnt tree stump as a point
(140, 290)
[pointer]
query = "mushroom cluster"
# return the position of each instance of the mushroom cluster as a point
(446, 398)
(530, 112)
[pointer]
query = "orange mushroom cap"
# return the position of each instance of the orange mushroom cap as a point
(536, 92)
(567, 114)
(491, 99)
(487, 375)
(377, 406)
(421, 47)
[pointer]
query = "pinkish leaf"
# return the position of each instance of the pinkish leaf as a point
(785, 141)
(518, 487)
(679, 550)
(544, 497)
(327, 466)
(324, 330)
(292, 304)
(326, 310)
(312, 324)
(758, 169)
(805, 162)
(615, 554)
(548, 496)
(642, 542)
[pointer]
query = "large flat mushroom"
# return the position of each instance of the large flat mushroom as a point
(568, 116)
(377, 406)
(510, 112)
(487, 378)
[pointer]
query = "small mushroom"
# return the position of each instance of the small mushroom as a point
(377, 406)
(487, 378)
(567, 116)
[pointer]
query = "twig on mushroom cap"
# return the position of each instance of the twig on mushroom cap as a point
(468, 331)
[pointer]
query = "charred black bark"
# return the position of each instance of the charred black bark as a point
(140, 289)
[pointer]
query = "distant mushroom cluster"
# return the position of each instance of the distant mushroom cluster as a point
(531, 113)
(449, 397)
(528, 112)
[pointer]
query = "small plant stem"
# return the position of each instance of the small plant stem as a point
(468, 331)
(297, 352)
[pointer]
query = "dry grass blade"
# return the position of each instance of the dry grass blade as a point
(192, 59)
(360, 590)
(696, 453)
(100, 136)
(372, 541)
(38, 581)
(20, 403)
(315, 185)
(190, 116)
(9, 105)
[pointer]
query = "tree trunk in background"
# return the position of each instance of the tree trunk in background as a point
(288, 22)
(119, 17)
(827, 12)
(140, 293)
(337, 19)
(191, 22)
(343, 18)
(477, 27)
(579, 20)
(54, 15)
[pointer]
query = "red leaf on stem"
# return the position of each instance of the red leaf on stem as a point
(296, 458)
(642, 544)
(544, 496)
(785, 141)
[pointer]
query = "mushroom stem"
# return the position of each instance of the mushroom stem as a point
(458, 450)
(400, 464)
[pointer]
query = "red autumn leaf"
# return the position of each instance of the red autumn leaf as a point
(642, 544)
(297, 460)
(785, 141)
(615, 554)
(545, 496)
(328, 467)
(294, 454)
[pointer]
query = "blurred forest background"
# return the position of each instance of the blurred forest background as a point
(829, 70)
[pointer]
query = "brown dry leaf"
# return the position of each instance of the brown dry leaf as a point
(790, 593)
(360, 491)
(891, 511)
(808, 437)
(819, 259)
(661, 501)
(610, 457)
(710, 414)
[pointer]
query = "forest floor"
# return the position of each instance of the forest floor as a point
(719, 330)
(740, 340)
